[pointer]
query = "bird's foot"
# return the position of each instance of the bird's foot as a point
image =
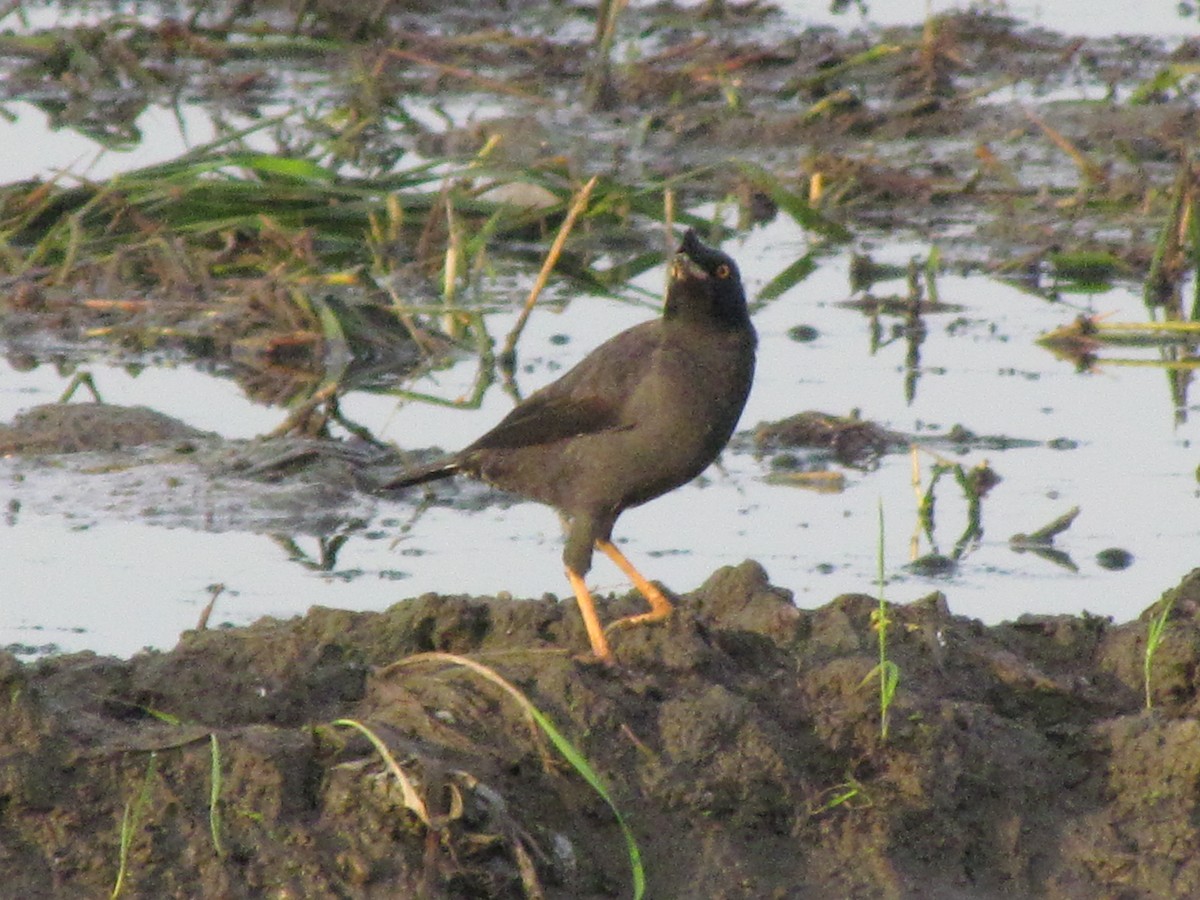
(601, 652)
(660, 606)
(589, 659)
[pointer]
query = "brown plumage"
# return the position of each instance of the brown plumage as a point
(642, 414)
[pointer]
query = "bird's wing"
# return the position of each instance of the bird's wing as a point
(545, 420)
(590, 398)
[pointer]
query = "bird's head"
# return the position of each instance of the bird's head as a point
(705, 285)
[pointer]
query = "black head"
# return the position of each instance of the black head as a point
(705, 285)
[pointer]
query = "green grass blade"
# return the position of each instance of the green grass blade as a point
(214, 796)
(130, 820)
(788, 278)
(560, 742)
(1154, 637)
(806, 215)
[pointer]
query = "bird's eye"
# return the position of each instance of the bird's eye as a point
(723, 271)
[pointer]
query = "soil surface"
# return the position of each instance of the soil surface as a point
(741, 742)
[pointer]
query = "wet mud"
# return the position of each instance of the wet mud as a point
(741, 742)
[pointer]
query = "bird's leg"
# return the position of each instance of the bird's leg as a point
(590, 620)
(660, 606)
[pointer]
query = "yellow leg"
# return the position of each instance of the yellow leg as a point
(590, 620)
(660, 606)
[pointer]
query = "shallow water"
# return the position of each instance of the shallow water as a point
(113, 580)
(90, 566)
(1088, 18)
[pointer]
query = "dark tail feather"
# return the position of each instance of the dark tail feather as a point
(433, 472)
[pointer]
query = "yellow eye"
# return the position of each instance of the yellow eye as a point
(723, 271)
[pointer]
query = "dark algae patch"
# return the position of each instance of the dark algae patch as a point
(738, 740)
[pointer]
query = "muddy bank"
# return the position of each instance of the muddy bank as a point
(738, 741)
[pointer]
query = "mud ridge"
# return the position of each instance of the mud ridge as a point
(739, 741)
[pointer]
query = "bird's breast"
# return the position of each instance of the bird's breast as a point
(682, 416)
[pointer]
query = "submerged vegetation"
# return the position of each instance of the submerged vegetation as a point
(396, 156)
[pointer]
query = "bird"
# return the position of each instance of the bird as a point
(643, 414)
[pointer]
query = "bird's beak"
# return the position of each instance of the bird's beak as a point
(684, 268)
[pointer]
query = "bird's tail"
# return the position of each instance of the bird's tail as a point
(443, 468)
